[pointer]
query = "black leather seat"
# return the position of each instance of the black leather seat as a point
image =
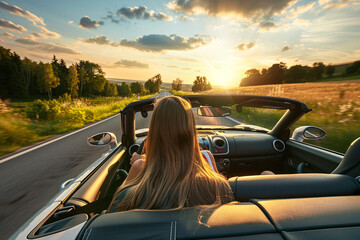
(293, 186)
(293, 219)
(350, 164)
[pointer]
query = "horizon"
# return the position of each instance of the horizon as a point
(183, 39)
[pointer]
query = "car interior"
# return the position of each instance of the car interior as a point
(315, 193)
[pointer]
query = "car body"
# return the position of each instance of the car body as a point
(314, 194)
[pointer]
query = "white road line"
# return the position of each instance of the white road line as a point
(230, 118)
(54, 140)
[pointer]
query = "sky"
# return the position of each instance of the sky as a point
(219, 39)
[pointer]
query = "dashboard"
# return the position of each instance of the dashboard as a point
(243, 153)
(239, 153)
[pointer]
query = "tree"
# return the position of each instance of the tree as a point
(275, 74)
(297, 74)
(201, 84)
(177, 84)
(110, 89)
(329, 70)
(73, 82)
(28, 68)
(46, 80)
(82, 77)
(124, 90)
(353, 68)
(92, 78)
(318, 70)
(153, 84)
(61, 72)
(137, 88)
(253, 77)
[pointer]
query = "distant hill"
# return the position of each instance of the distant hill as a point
(164, 85)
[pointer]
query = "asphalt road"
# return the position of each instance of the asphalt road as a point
(30, 180)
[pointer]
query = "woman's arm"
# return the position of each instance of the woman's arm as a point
(137, 163)
(212, 160)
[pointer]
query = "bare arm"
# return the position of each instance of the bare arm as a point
(137, 165)
(212, 160)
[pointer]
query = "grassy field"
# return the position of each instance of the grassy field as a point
(17, 130)
(335, 108)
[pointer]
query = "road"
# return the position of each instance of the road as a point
(30, 180)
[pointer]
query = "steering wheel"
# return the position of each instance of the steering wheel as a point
(141, 147)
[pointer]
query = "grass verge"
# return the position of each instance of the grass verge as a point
(17, 130)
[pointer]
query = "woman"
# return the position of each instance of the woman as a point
(173, 174)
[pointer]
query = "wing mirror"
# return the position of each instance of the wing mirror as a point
(102, 139)
(308, 133)
(214, 111)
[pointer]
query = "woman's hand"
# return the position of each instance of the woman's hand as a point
(136, 157)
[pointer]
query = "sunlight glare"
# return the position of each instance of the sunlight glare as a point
(223, 77)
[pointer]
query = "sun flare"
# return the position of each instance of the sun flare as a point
(223, 77)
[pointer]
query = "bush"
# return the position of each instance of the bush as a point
(76, 115)
(43, 110)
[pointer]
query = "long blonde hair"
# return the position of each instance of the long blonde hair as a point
(175, 174)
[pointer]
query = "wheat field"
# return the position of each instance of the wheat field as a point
(335, 107)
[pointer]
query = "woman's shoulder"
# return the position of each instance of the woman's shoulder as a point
(122, 194)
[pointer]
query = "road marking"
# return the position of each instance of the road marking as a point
(230, 118)
(54, 140)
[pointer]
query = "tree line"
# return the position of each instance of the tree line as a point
(200, 84)
(279, 73)
(23, 78)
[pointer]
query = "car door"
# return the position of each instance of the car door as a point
(308, 158)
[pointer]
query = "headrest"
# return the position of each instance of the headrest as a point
(293, 186)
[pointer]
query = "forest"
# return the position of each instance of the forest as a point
(27, 79)
(278, 73)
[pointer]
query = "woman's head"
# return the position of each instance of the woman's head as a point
(172, 133)
(175, 173)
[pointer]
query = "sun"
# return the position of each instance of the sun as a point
(223, 77)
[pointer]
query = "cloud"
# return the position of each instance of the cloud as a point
(47, 47)
(86, 22)
(186, 69)
(160, 43)
(7, 35)
(301, 22)
(285, 48)
(172, 66)
(334, 6)
(267, 25)
(245, 46)
(243, 8)
(131, 64)
(154, 42)
(22, 13)
(300, 10)
(100, 40)
(9, 25)
(47, 33)
(185, 18)
(141, 12)
(322, 2)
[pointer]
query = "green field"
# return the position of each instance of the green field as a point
(17, 130)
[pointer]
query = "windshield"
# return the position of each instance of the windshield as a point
(255, 118)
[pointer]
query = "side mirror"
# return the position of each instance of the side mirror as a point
(214, 111)
(308, 133)
(102, 139)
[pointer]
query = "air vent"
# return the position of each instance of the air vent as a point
(279, 145)
(219, 142)
(133, 148)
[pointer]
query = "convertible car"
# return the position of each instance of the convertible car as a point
(314, 194)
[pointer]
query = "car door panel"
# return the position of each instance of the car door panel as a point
(314, 158)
